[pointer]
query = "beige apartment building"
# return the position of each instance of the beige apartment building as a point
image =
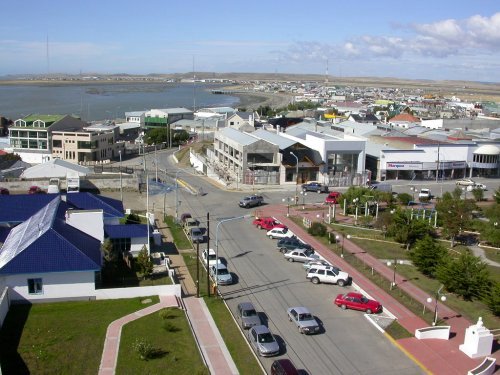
(83, 146)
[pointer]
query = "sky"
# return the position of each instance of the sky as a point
(436, 40)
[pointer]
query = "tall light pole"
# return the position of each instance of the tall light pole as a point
(121, 186)
(217, 243)
(297, 173)
(176, 196)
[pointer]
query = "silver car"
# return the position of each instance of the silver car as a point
(303, 319)
(301, 255)
(248, 315)
(263, 341)
(222, 274)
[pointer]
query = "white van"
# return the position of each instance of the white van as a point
(53, 186)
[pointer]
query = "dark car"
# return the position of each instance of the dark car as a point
(286, 244)
(4, 191)
(315, 186)
(35, 190)
(283, 367)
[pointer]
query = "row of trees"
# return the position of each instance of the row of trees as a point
(464, 274)
(161, 135)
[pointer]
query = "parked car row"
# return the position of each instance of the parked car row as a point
(318, 271)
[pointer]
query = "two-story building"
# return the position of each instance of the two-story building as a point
(31, 136)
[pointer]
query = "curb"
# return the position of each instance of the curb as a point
(408, 354)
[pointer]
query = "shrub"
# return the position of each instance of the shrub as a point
(143, 348)
(317, 229)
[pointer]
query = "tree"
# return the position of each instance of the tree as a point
(493, 299)
(497, 195)
(145, 263)
(404, 198)
(156, 136)
(427, 255)
(454, 213)
(111, 255)
(466, 276)
(179, 137)
(406, 230)
(478, 194)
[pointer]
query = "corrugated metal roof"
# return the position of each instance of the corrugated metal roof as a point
(16, 208)
(126, 231)
(272, 137)
(239, 137)
(88, 201)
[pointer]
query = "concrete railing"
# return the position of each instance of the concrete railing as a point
(438, 332)
(487, 367)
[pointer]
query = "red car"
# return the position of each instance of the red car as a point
(333, 198)
(357, 301)
(267, 223)
(35, 190)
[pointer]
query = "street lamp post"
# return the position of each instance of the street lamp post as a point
(413, 188)
(356, 201)
(395, 264)
(217, 244)
(439, 296)
(304, 194)
(287, 200)
(338, 237)
(296, 172)
(121, 186)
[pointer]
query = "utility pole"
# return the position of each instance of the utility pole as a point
(208, 247)
(197, 269)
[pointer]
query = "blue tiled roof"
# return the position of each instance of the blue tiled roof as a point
(45, 243)
(88, 201)
(4, 232)
(126, 231)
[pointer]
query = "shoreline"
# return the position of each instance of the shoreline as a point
(252, 101)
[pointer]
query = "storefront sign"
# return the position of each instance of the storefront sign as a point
(404, 166)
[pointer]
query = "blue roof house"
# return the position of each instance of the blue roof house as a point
(45, 258)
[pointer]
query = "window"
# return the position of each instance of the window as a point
(35, 286)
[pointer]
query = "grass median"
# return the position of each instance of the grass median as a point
(240, 352)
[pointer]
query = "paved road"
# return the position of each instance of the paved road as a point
(349, 343)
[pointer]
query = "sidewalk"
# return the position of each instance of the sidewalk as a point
(436, 356)
(213, 348)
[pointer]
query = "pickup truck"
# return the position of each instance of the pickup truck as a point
(267, 223)
(251, 201)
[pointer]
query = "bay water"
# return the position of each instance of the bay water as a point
(101, 101)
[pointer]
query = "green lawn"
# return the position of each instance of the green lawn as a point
(397, 331)
(178, 235)
(387, 250)
(236, 344)
(60, 338)
(175, 347)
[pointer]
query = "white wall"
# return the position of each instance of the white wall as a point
(427, 154)
(55, 285)
(164, 290)
(433, 124)
(88, 221)
(136, 244)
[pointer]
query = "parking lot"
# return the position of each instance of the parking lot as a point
(272, 284)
